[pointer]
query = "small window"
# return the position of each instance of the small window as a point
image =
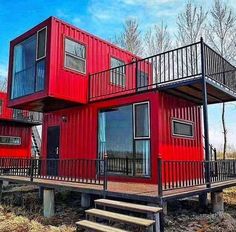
(1, 106)
(10, 140)
(183, 129)
(142, 81)
(41, 43)
(75, 56)
(141, 120)
(118, 73)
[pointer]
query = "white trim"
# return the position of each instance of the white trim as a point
(45, 49)
(74, 56)
(11, 144)
(134, 127)
(186, 122)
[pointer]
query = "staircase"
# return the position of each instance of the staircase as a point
(101, 213)
(36, 146)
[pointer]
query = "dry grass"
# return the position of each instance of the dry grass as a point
(10, 222)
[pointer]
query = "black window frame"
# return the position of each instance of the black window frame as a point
(45, 44)
(183, 122)
(9, 143)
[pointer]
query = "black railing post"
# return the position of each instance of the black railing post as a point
(105, 175)
(136, 75)
(127, 165)
(205, 116)
(31, 169)
(159, 170)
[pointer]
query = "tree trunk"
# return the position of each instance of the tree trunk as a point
(224, 131)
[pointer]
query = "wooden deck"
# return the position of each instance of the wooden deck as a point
(128, 190)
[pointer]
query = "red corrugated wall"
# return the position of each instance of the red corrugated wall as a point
(23, 150)
(173, 147)
(67, 84)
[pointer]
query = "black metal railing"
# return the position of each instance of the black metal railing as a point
(88, 171)
(177, 65)
(138, 167)
(185, 174)
(27, 116)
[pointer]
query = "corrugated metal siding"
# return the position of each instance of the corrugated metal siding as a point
(6, 113)
(23, 150)
(70, 85)
(177, 148)
(79, 133)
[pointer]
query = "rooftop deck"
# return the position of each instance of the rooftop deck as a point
(179, 72)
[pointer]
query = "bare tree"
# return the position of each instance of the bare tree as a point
(157, 40)
(3, 84)
(222, 37)
(130, 39)
(190, 24)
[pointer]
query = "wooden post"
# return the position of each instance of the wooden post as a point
(105, 175)
(159, 170)
(1, 187)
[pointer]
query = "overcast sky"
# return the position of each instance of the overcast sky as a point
(103, 18)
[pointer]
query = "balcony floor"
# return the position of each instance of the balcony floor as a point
(191, 89)
(135, 191)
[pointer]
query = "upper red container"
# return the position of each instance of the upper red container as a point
(59, 87)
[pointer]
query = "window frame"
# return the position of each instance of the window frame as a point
(76, 57)
(1, 106)
(11, 144)
(186, 122)
(37, 40)
(122, 85)
(134, 121)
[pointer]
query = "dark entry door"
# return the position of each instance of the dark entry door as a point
(53, 142)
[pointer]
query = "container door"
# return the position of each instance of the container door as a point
(53, 142)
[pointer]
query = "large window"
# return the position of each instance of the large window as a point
(127, 153)
(29, 65)
(10, 140)
(75, 56)
(182, 128)
(117, 76)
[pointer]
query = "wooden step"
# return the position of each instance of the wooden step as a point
(119, 217)
(85, 224)
(128, 206)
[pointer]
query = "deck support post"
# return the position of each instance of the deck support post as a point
(48, 202)
(85, 200)
(5, 183)
(217, 201)
(1, 187)
(203, 200)
(205, 117)
(156, 217)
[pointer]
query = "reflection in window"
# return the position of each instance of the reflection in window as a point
(75, 56)
(126, 154)
(181, 128)
(117, 76)
(10, 140)
(28, 70)
(142, 81)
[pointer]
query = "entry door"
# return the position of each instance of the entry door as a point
(53, 142)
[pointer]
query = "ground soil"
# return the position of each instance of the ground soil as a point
(21, 211)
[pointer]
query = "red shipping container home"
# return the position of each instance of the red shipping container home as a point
(15, 130)
(101, 100)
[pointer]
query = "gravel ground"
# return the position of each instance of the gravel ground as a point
(21, 211)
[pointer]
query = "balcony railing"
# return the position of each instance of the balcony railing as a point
(27, 116)
(171, 67)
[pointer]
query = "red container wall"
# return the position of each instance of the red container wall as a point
(70, 85)
(23, 150)
(6, 113)
(173, 147)
(79, 132)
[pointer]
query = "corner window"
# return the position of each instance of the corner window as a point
(182, 128)
(117, 76)
(141, 120)
(10, 140)
(75, 56)
(29, 65)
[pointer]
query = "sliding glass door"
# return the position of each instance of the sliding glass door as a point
(124, 135)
